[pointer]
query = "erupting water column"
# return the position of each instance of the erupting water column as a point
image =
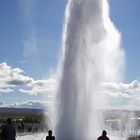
(91, 56)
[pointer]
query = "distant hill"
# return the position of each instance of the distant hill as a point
(107, 113)
(19, 111)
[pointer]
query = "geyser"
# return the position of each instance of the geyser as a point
(91, 56)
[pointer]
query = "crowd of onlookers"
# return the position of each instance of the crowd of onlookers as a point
(22, 127)
(8, 131)
(29, 128)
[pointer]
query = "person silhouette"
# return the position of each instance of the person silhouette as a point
(50, 137)
(103, 137)
(8, 131)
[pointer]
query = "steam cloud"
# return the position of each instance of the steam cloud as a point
(91, 56)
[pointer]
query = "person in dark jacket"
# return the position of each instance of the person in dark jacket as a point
(8, 131)
(103, 137)
(50, 137)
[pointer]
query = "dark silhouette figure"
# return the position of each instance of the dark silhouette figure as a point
(50, 137)
(8, 131)
(29, 128)
(103, 137)
(22, 126)
(19, 128)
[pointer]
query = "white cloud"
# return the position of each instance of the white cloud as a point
(120, 95)
(31, 104)
(30, 92)
(11, 78)
(7, 90)
(26, 104)
(121, 88)
(117, 94)
(40, 86)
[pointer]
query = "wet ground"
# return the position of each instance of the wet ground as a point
(43, 137)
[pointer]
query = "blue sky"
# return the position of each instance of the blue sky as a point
(30, 39)
(43, 23)
(125, 15)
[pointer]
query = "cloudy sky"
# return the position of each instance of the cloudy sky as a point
(30, 42)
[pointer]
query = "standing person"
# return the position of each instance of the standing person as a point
(8, 131)
(50, 137)
(22, 126)
(103, 137)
